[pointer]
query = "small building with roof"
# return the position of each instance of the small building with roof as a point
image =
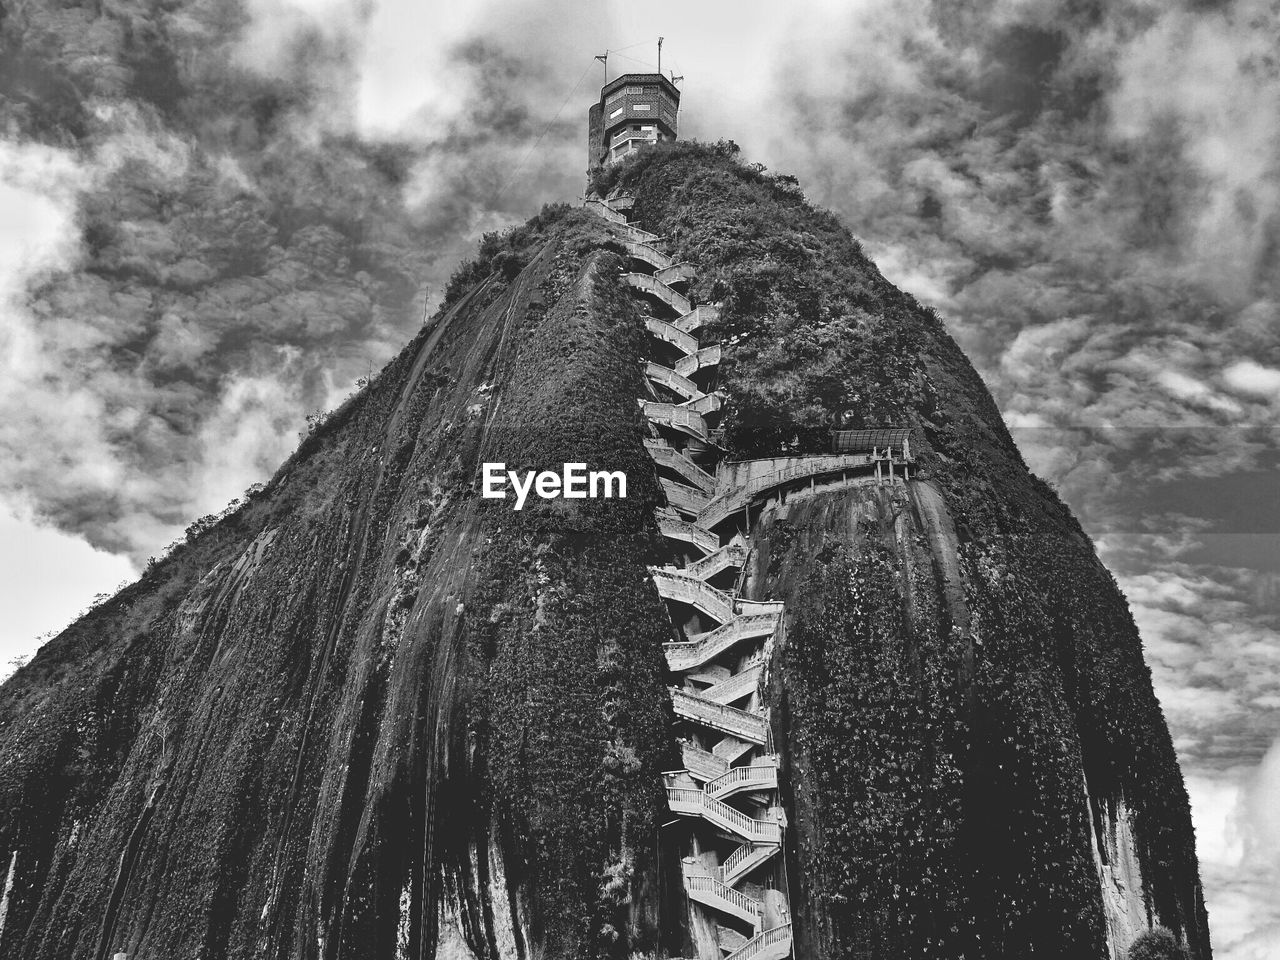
(634, 110)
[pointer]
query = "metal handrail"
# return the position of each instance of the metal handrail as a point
(627, 136)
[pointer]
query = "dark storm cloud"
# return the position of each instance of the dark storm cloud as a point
(268, 196)
(247, 235)
(478, 171)
(240, 255)
(1089, 194)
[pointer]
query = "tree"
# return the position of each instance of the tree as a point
(1157, 944)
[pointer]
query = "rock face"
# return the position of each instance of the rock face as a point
(371, 714)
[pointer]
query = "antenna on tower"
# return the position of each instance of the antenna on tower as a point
(605, 60)
(659, 55)
(675, 79)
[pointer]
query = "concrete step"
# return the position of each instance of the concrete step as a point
(743, 482)
(676, 586)
(705, 404)
(677, 417)
(688, 500)
(676, 273)
(712, 893)
(745, 859)
(760, 774)
(738, 687)
(633, 233)
(739, 723)
(730, 556)
(695, 803)
(647, 253)
(702, 314)
(710, 675)
(644, 283)
(673, 381)
(670, 525)
(705, 357)
(731, 748)
(603, 209)
(686, 343)
(707, 646)
(703, 764)
(730, 939)
(774, 944)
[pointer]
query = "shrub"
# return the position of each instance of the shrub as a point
(504, 252)
(1157, 944)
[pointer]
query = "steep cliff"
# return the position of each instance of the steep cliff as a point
(371, 714)
(979, 766)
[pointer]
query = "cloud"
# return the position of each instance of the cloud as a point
(1255, 380)
(38, 188)
(253, 429)
(214, 226)
(1213, 75)
(47, 584)
(1212, 649)
(272, 41)
(1238, 840)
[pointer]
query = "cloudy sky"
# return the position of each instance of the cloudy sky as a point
(216, 217)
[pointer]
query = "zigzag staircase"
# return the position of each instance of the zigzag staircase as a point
(729, 783)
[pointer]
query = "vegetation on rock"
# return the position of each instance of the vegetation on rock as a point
(1157, 944)
(1040, 684)
(367, 710)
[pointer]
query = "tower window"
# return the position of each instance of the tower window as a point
(641, 106)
